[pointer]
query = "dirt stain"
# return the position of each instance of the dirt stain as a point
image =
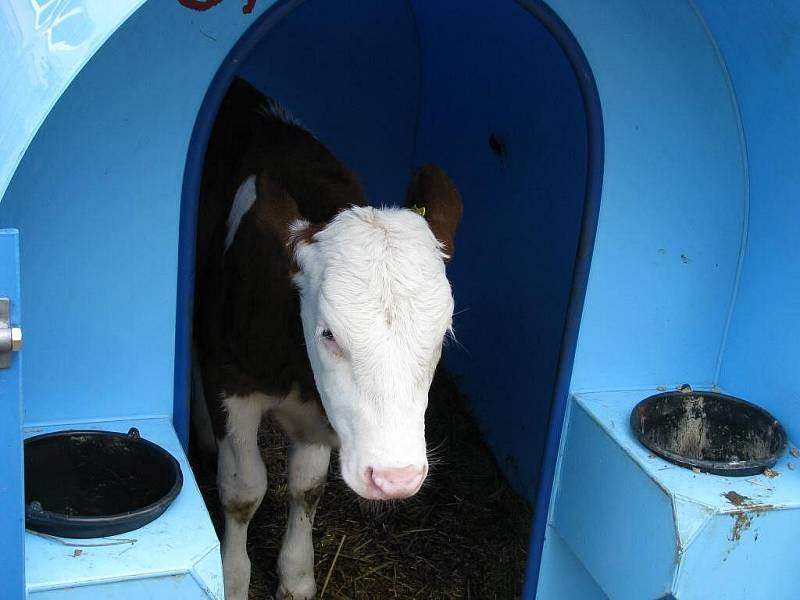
(743, 519)
(310, 500)
(737, 499)
(242, 511)
(741, 522)
(498, 146)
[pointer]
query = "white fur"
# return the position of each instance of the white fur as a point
(376, 279)
(242, 483)
(273, 108)
(242, 202)
(308, 470)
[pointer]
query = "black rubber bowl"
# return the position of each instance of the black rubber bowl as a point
(86, 484)
(709, 431)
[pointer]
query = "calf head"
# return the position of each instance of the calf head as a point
(376, 306)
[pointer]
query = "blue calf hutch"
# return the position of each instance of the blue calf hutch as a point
(685, 112)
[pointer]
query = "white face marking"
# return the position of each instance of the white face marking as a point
(242, 202)
(375, 306)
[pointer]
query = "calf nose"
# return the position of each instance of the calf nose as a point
(398, 482)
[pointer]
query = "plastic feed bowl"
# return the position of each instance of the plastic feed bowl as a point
(86, 484)
(709, 431)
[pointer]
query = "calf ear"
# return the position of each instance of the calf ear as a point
(433, 194)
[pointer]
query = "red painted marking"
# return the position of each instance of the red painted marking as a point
(202, 5)
(199, 4)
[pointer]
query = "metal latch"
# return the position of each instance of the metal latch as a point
(10, 337)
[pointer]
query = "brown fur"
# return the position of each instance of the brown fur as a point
(247, 313)
(431, 188)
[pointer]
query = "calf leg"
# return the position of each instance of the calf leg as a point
(242, 483)
(308, 470)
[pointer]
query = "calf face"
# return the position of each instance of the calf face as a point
(376, 306)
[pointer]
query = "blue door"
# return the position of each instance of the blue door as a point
(12, 516)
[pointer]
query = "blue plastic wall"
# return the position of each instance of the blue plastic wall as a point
(350, 71)
(694, 273)
(761, 46)
(97, 195)
(694, 279)
(97, 200)
(43, 45)
(393, 87)
(515, 251)
(12, 569)
(669, 242)
(673, 207)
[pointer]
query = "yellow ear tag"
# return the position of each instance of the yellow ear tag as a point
(420, 210)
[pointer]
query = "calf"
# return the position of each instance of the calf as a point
(319, 311)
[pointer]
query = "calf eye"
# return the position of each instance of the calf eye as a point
(326, 334)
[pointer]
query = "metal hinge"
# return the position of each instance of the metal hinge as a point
(10, 337)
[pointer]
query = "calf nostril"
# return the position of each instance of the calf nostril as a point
(397, 480)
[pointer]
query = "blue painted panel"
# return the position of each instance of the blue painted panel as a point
(643, 527)
(43, 44)
(97, 196)
(673, 204)
(563, 577)
(732, 554)
(611, 412)
(613, 517)
(12, 494)
(169, 586)
(761, 45)
(350, 72)
(516, 247)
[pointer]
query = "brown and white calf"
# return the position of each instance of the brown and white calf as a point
(319, 311)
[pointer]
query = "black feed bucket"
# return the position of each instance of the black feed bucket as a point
(709, 431)
(85, 484)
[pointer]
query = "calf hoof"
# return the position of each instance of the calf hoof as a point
(302, 590)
